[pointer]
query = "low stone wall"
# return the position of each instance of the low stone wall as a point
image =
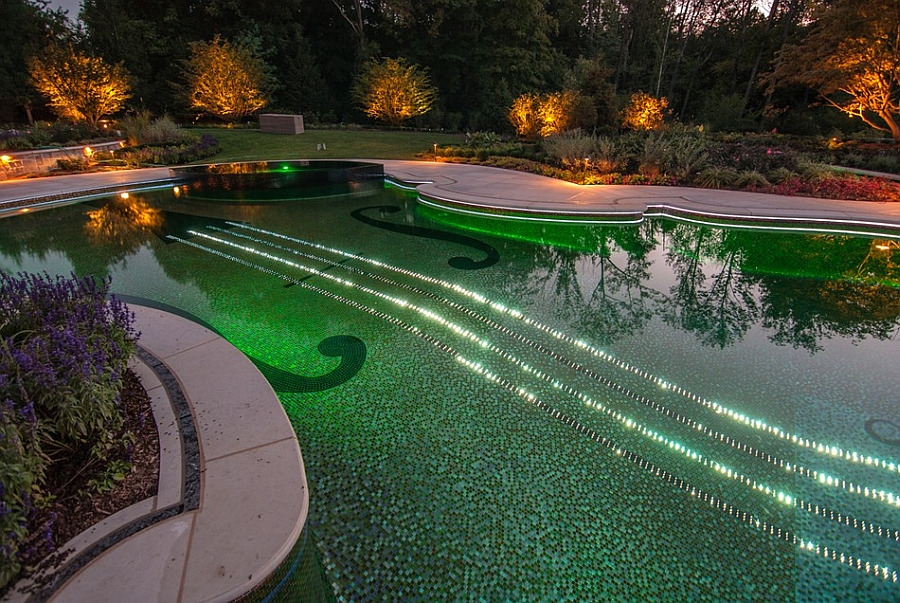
(41, 161)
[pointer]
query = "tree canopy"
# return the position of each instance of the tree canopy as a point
(705, 56)
(79, 87)
(393, 91)
(851, 56)
(226, 80)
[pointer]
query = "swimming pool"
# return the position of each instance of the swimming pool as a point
(499, 411)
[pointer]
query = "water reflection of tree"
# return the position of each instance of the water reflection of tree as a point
(122, 225)
(719, 308)
(41, 234)
(802, 314)
(620, 302)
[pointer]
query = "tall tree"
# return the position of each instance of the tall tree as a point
(79, 87)
(28, 25)
(394, 91)
(227, 80)
(851, 57)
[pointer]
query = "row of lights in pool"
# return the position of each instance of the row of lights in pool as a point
(873, 493)
(758, 424)
(628, 422)
(878, 570)
(822, 478)
(829, 553)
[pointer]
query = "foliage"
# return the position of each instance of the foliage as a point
(227, 80)
(394, 91)
(524, 115)
(543, 115)
(44, 134)
(645, 112)
(750, 179)
(556, 112)
(140, 128)
(28, 25)
(717, 177)
(573, 149)
(846, 187)
(685, 151)
(851, 56)
(64, 346)
(79, 87)
(631, 179)
(170, 154)
(72, 164)
(760, 154)
(607, 158)
(481, 140)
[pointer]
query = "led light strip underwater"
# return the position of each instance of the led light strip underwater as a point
(822, 478)
(739, 417)
(618, 416)
(878, 570)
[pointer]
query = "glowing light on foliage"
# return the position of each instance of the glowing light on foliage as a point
(79, 87)
(393, 91)
(226, 80)
(645, 112)
(125, 221)
(851, 56)
(524, 115)
(543, 115)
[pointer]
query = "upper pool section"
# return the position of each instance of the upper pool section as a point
(260, 181)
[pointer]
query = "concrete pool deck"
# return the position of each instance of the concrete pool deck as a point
(232, 497)
(486, 187)
(235, 536)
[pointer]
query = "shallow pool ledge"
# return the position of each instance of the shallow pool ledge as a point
(232, 500)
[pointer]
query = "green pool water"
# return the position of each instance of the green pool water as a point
(494, 411)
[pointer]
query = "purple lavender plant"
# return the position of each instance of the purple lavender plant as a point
(64, 346)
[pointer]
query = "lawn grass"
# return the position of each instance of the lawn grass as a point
(253, 145)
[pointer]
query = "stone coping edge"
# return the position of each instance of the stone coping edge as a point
(96, 539)
(848, 225)
(181, 491)
(79, 195)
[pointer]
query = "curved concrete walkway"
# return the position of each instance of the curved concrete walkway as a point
(485, 187)
(232, 497)
(204, 554)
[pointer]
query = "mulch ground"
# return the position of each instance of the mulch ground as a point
(76, 505)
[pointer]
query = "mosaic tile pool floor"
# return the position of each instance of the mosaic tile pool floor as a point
(660, 412)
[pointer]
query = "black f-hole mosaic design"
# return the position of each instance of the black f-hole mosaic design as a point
(350, 349)
(460, 263)
(886, 432)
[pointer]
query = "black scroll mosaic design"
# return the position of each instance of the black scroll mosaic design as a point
(459, 262)
(351, 350)
(886, 432)
(190, 489)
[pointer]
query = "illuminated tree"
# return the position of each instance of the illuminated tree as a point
(851, 56)
(557, 112)
(645, 112)
(524, 115)
(544, 115)
(227, 80)
(393, 91)
(79, 87)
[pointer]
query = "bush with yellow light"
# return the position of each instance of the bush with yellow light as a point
(645, 112)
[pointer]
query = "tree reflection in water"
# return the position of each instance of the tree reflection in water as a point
(800, 288)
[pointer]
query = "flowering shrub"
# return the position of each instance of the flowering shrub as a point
(171, 154)
(634, 179)
(63, 350)
(762, 156)
(848, 187)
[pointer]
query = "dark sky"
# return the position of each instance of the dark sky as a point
(72, 6)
